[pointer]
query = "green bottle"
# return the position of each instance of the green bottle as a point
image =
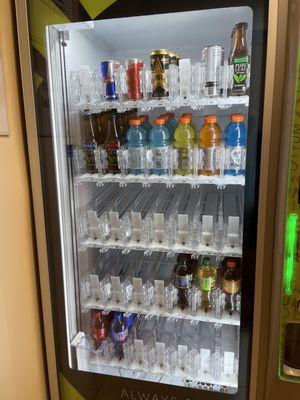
(206, 282)
(184, 141)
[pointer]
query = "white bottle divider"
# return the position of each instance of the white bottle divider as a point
(205, 360)
(183, 229)
(115, 225)
(182, 361)
(159, 286)
(95, 286)
(116, 289)
(160, 354)
(139, 351)
(159, 227)
(138, 291)
(229, 362)
(233, 231)
(137, 226)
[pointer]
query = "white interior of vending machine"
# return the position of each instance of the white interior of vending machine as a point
(86, 45)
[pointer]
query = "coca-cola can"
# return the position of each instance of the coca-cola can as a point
(213, 59)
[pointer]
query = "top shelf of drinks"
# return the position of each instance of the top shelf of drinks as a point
(169, 81)
(125, 144)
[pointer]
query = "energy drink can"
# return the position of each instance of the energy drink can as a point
(108, 73)
(160, 60)
(213, 59)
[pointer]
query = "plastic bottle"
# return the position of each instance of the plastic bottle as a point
(169, 126)
(230, 282)
(172, 120)
(119, 333)
(210, 139)
(184, 271)
(206, 282)
(184, 141)
(136, 145)
(190, 116)
(145, 124)
(235, 146)
(159, 144)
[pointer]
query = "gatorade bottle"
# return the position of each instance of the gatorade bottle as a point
(136, 145)
(235, 146)
(169, 126)
(172, 120)
(210, 138)
(145, 124)
(159, 144)
(184, 141)
(190, 116)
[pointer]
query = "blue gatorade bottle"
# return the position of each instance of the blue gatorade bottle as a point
(172, 121)
(235, 146)
(159, 144)
(145, 124)
(136, 147)
(169, 126)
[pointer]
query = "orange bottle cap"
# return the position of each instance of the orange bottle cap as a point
(160, 121)
(211, 119)
(134, 122)
(231, 263)
(184, 120)
(237, 117)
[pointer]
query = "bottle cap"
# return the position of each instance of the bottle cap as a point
(241, 25)
(190, 115)
(211, 119)
(231, 263)
(184, 120)
(134, 122)
(160, 121)
(206, 261)
(237, 117)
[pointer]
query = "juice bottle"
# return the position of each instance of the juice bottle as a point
(145, 124)
(190, 116)
(112, 143)
(231, 282)
(159, 143)
(184, 141)
(206, 282)
(136, 145)
(210, 138)
(235, 146)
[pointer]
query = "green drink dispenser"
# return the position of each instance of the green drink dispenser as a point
(289, 361)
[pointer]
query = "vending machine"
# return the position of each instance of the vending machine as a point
(149, 162)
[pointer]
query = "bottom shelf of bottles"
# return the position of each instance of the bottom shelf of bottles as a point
(167, 350)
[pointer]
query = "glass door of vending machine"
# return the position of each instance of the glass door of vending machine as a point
(156, 131)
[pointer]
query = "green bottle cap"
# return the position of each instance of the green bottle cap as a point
(206, 261)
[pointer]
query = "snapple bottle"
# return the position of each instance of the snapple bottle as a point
(239, 59)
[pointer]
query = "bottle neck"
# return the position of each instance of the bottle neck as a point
(239, 42)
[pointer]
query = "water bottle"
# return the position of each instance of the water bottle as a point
(137, 146)
(119, 333)
(235, 146)
(159, 144)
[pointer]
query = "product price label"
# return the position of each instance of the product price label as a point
(235, 158)
(135, 157)
(160, 158)
(120, 337)
(231, 287)
(240, 66)
(184, 282)
(211, 158)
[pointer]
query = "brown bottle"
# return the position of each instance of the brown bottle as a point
(97, 129)
(240, 59)
(184, 271)
(99, 327)
(113, 142)
(230, 282)
(88, 145)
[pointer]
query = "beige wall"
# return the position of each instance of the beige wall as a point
(22, 374)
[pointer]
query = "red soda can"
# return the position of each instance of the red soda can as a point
(133, 68)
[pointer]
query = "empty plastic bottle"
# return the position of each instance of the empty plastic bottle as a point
(159, 144)
(136, 145)
(235, 146)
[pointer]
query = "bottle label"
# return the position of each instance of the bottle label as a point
(231, 287)
(89, 156)
(206, 284)
(240, 67)
(112, 157)
(135, 157)
(120, 337)
(159, 158)
(211, 158)
(183, 282)
(99, 334)
(235, 158)
(184, 159)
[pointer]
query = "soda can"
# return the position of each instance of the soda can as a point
(213, 59)
(108, 72)
(159, 60)
(133, 72)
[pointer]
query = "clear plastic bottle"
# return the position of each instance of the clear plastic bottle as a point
(159, 144)
(136, 145)
(184, 141)
(210, 140)
(235, 146)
